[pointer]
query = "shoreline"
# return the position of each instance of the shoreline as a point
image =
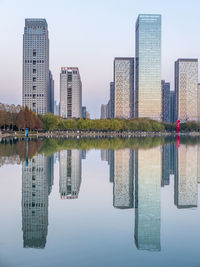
(95, 134)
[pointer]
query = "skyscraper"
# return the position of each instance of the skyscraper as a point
(84, 112)
(124, 87)
(148, 94)
(172, 106)
(186, 82)
(165, 101)
(36, 90)
(51, 92)
(112, 100)
(104, 111)
(198, 104)
(70, 93)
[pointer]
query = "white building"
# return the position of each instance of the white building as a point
(186, 84)
(70, 93)
(124, 87)
(36, 86)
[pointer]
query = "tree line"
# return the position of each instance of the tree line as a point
(17, 118)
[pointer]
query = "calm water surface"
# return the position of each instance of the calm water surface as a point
(132, 202)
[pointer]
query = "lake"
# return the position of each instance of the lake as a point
(100, 202)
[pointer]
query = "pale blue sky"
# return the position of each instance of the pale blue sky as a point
(89, 34)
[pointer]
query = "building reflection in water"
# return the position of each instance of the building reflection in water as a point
(70, 173)
(147, 198)
(123, 179)
(186, 180)
(37, 181)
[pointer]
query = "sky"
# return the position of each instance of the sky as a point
(88, 34)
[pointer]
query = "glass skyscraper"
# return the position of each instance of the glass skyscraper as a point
(148, 94)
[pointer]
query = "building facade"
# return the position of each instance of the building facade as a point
(70, 93)
(84, 112)
(172, 106)
(104, 111)
(36, 86)
(165, 101)
(124, 87)
(186, 84)
(148, 93)
(112, 100)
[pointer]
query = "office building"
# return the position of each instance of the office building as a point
(70, 93)
(148, 93)
(165, 101)
(172, 106)
(51, 92)
(37, 92)
(124, 87)
(112, 100)
(104, 111)
(70, 173)
(186, 82)
(84, 112)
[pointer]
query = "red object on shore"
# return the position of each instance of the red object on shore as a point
(178, 126)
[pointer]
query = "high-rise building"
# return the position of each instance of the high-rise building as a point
(70, 173)
(37, 181)
(186, 82)
(198, 102)
(172, 106)
(147, 193)
(51, 92)
(104, 111)
(70, 93)
(148, 93)
(165, 101)
(124, 87)
(112, 100)
(84, 112)
(123, 179)
(36, 86)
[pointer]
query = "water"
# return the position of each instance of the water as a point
(131, 202)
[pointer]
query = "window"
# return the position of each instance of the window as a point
(34, 62)
(34, 53)
(34, 70)
(34, 79)
(34, 87)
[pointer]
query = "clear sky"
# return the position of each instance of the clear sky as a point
(89, 34)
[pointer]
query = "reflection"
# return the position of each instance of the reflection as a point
(139, 170)
(70, 173)
(123, 179)
(37, 181)
(147, 195)
(186, 189)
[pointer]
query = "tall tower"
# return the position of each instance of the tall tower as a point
(124, 87)
(186, 89)
(36, 90)
(148, 94)
(70, 93)
(112, 99)
(165, 101)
